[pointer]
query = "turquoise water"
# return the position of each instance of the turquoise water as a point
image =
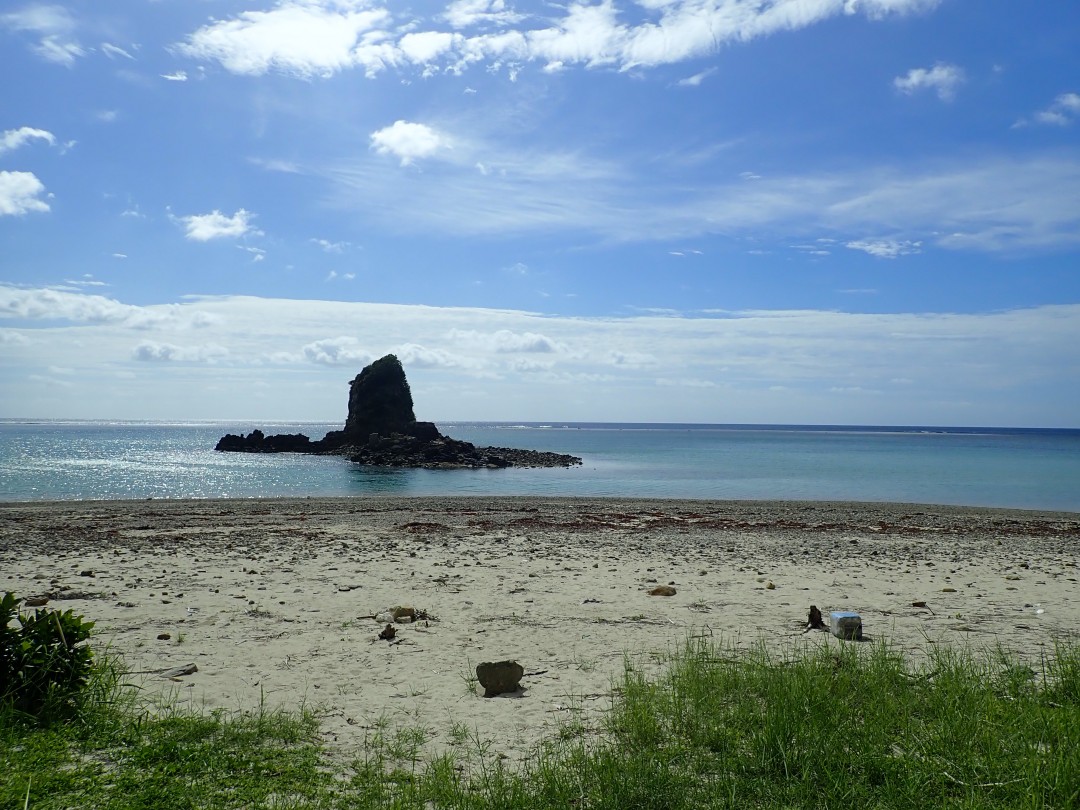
(1037, 469)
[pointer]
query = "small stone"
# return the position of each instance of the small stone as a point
(770, 585)
(499, 677)
(36, 601)
(403, 614)
(388, 633)
(86, 573)
(164, 636)
(662, 590)
(176, 672)
(948, 590)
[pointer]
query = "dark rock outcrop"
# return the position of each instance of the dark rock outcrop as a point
(381, 430)
(380, 401)
(256, 442)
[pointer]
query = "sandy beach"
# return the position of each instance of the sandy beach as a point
(275, 600)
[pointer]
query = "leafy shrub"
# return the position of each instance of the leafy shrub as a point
(44, 665)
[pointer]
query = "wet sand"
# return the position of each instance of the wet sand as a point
(275, 600)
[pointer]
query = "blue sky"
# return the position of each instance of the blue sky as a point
(828, 211)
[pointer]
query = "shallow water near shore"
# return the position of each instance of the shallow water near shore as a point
(1015, 468)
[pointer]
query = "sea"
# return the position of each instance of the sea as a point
(1022, 468)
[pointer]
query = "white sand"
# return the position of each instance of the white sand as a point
(272, 599)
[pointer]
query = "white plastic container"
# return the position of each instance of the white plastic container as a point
(845, 624)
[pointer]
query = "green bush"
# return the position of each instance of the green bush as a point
(44, 665)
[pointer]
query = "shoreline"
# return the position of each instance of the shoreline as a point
(272, 598)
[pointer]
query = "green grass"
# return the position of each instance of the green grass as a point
(832, 726)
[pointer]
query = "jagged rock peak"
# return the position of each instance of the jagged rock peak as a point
(379, 401)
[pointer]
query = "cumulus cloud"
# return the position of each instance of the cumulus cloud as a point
(215, 225)
(942, 78)
(506, 341)
(14, 138)
(322, 37)
(20, 193)
(408, 141)
(886, 248)
(413, 354)
(339, 351)
(302, 37)
(151, 352)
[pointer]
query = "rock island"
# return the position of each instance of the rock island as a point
(381, 430)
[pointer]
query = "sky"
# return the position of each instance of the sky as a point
(717, 211)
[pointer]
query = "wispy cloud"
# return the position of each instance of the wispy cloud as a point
(175, 76)
(989, 204)
(943, 79)
(1064, 110)
(113, 51)
(54, 27)
(696, 79)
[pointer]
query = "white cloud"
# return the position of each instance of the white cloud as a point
(467, 13)
(685, 382)
(151, 352)
(58, 305)
(257, 254)
(957, 368)
(696, 79)
(215, 225)
(20, 193)
(426, 46)
(53, 24)
(506, 341)
(1064, 110)
(885, 248)
(175, 76)
(14, 138)
(322, 37)
(617, 357)
(331, 247)
(112, 51)
(301, 37)
(408, 141)
(339, 351)
(9, 337)
(985, 203)
(86, 281)
(942, 78)
(413, 354)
